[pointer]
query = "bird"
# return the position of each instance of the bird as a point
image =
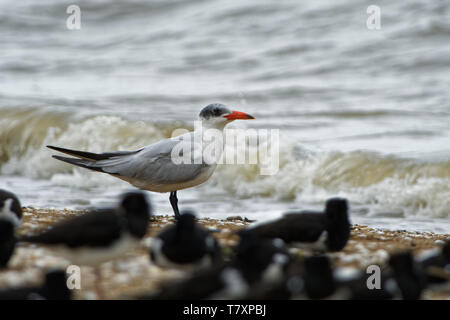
(53, 288)
(7, 242)
(261, 260)
(185, 245)
(317, 231)
(289, 286)
(100, 235)
(10, 207)
(310, 277)
(255, 260)
(168, 165)
(218, 282)
(313, 277)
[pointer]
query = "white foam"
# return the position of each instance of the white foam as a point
(395, 187)
(96, 134)
(382, 185)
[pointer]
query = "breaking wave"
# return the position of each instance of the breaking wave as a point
(407, 187)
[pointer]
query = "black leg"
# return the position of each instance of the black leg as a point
(174, 202)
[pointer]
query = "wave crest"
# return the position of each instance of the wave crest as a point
(386, 183)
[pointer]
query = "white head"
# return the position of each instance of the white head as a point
(217, 115)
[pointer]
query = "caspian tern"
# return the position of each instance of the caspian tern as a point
(317, 231)
(153, 168)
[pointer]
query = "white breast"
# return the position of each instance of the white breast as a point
(8, 214)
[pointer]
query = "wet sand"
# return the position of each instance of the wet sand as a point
(134, 274)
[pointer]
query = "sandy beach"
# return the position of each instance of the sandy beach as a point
(134, 274)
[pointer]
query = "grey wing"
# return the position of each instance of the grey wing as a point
(154, 164)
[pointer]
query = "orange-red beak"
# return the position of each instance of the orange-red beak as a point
(237, 115)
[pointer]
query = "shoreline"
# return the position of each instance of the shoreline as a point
(134, 274)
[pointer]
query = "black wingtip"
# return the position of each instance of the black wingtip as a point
(53, 147)
(79, 162)
(62, 158)
(59, 149)
(74, 161)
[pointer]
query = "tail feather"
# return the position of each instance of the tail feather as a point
(91, 156)
(81, 163)
(78, 154)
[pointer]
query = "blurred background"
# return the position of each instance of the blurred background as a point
(363, 114)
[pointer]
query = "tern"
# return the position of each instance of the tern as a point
(153, 168)
(255, 261)
(185, 245)
(317, 231)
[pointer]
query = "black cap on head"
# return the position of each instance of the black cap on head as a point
(254, 254)
(138, 211)
(214, 110)
(336, 208)
(186, 219)
(133, 202)
(337, 204)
